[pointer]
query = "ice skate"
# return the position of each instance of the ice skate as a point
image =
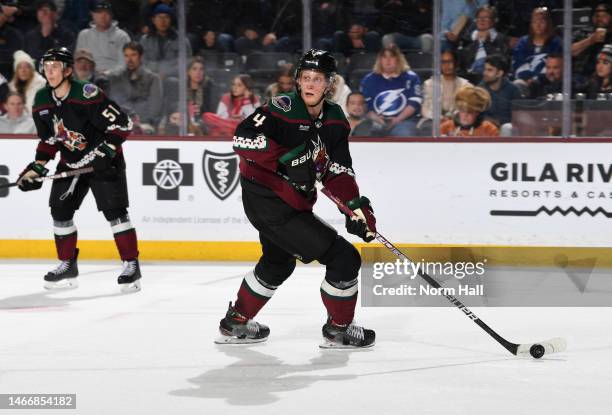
(238, 329)
(129, 279)
(64, 277)
(346, 337)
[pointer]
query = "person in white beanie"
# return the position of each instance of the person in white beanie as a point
(26, 80)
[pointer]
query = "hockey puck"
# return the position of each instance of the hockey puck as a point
(537, 351)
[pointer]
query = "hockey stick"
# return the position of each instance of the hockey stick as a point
(536, 350)
(61, 175)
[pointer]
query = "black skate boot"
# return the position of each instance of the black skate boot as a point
(237, 329)
(64, 276)
(351, 336)
(129, 279)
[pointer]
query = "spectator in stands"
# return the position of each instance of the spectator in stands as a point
(76, 15)
(21, 14)
(588, 48)
(213, 41)
(407, 23)
(551, 82)
(285, 82)
(161, 45)
(601, 81)
(48, 34)
(16, 120)
(450, 83)
(104, 38)
(11, 40)
(361, 125)
(358, 39)
(200, 96)
(240, 102)
(515, 16)
(393, 93)
(502, 92)
(469, 121)
(529, 55)
(85, 69)
(456, 18)
(251, 40)
(26, 80)
(485, 40)
(339, 92)
(137, 89)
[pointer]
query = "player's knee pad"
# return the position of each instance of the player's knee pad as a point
(62, 214)
(114, 214)
(342, 261)
(273, 273)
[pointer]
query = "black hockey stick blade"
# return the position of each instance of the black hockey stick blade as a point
(61, 175)
(535, 350)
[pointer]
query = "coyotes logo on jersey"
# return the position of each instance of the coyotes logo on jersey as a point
(72, 140)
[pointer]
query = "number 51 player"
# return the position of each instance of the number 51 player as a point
(77, 120)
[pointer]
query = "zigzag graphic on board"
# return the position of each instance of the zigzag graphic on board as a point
(551, 212)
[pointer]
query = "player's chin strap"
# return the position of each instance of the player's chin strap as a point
(332, 79)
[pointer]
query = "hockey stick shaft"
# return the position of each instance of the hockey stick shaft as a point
(61, 175)
(511, 347)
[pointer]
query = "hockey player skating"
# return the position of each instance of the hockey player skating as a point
(78, 120)
(284, 147)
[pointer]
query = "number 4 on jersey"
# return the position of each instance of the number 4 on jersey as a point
(259, 119)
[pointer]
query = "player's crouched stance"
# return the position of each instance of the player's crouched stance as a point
(78, 120)
(284, 147)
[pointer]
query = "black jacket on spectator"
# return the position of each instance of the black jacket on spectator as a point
(595, 86)
(36, 45)
(76, 15)
(467, 55)
(588, 57)
(11, 41)
(542, 87)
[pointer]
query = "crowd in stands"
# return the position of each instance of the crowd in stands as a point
(240, 53)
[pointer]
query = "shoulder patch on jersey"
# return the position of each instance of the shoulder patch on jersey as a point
(282, 102)
(90, 90)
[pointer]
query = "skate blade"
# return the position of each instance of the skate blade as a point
(131, 287)
(65, 284)
(327, 344)
(236, 340)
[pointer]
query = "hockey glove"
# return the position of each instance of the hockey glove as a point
(364, 223)
(27, 182)
(103, 162)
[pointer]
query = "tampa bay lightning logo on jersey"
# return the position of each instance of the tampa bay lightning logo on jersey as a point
(282, 102)
(390, 103)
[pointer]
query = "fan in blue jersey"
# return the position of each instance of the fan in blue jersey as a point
(393, 93)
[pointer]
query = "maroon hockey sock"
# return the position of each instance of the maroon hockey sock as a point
(252, 295)
(65, 239)
(125, 238)
(127, 244)
(340, 303)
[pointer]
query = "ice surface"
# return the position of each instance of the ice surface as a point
(153, 353)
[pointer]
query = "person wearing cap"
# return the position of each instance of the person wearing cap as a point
(48, 34)
(587, 49)
(471, 102)
(26, 80)
(601, 81)
(11, 40)
(161, 44)
(85, 69)
(104, 38)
